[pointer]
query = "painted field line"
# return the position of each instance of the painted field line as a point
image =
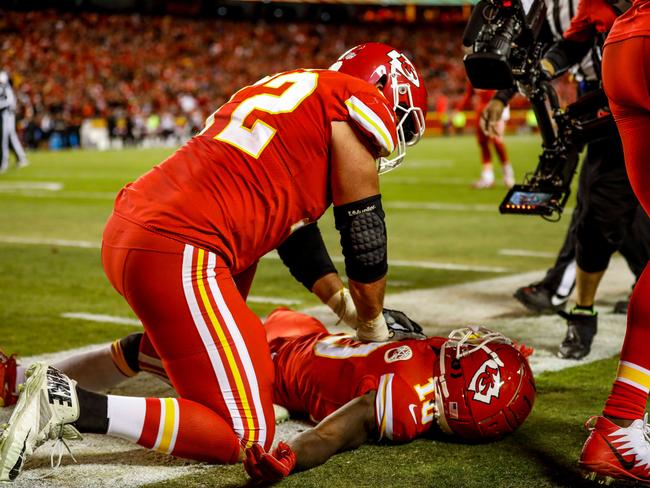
(422, 264)
(272, 255)
(526, 253)
(10, 186)
(428, 163)
(273, 300)
(65, 194)
(94, 317)
(49, 242)
(439, 206)
(418, 180)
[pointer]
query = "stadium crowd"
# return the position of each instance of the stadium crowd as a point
(164, 75)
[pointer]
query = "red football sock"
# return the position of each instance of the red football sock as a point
(179, 427)
(501, 150)
(630, 392)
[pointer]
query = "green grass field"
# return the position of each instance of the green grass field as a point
(433, 215)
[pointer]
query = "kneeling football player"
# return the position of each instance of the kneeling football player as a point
(474, 385)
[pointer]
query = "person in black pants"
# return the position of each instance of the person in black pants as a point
(607, 214)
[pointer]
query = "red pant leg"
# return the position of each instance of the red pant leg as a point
(484, 144)
(212, 346)
(626, 76)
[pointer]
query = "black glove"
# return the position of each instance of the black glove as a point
(401, 327)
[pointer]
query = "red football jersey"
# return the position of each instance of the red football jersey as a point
(317, 373)
(633, 23)
(260, 168)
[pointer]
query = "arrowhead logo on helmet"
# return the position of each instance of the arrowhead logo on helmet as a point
(486, 382)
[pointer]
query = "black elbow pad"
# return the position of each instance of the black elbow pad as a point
(305, 254)
(363, 238)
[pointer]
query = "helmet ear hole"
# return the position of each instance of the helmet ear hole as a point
(381, 82)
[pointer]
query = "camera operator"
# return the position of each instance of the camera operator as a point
(604, 218)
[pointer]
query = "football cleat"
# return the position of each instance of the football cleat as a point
(581, 329)
(7, 379)
(483, 184)
(616, 452)
(45, 410)
(537, 298)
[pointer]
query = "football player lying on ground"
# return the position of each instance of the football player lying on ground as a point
(474, 385)
(185, 234)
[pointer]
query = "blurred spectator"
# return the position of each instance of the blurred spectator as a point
(138, 72)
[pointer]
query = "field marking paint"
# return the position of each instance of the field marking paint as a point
(272, 255)
(49, 242)
(439, 206)
(403, 263)
(526, 253)
(67, 194)
(272, 300)
(428, 163)
(94, 317)
(19, 186)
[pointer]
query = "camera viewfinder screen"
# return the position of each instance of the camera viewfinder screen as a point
(530, 198)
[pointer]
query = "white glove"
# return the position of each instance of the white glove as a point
(375, 330)
(342, 305)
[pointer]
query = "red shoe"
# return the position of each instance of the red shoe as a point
(7, 379)
(618, 452)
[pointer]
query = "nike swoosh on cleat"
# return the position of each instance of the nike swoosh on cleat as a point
(15, 471)
(627, 465)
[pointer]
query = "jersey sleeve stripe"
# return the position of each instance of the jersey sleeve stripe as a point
(370, 121)
(384, 407)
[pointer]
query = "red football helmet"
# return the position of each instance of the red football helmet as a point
(401, 84)
(485, 388)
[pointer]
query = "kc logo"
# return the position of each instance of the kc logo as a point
(401, 353)
(401, 64)
(486, 383)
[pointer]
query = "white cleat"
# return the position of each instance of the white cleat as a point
(45, 410)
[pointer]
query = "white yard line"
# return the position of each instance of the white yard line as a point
(11, 186)
(272, 300)
(422, 264)
(94, 317)
(428, 163)
(37, 241)
(272, 255)
(439, 206)
(65, 194)
(526, 253)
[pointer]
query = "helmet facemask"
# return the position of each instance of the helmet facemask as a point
(410, 124)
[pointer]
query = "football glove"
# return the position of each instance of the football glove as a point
(269, 467)
(401, 327)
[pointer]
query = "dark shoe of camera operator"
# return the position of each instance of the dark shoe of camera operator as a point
(539, 299)
(581, 329)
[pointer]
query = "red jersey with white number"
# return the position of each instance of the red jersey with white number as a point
(260, 168)
(318, 373)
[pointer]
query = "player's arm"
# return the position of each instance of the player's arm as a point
(359, 218)
(347, 428)
(306, 256)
